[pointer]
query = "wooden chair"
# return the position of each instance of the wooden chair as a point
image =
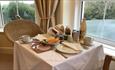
(17, 28)
(107, 62)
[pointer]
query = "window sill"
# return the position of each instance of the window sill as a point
(109, 47)
(108, 50)
(1, 29)
(102, 40)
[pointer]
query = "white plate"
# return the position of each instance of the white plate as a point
(65, 49)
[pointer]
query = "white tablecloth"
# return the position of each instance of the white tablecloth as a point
(26, 59)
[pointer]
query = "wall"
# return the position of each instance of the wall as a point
(68, 12)
(5, 45)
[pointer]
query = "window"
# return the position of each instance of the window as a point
(10, 9)
(100, 19)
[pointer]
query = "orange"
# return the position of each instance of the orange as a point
(52, 40)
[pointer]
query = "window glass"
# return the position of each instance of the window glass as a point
(100, 19)
(10, 9)
(26, 9)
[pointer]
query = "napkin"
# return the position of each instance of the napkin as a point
(40, 37)
(74, 46)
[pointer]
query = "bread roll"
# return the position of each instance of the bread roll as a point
(60, 28)
(67, 30)
(50, 31)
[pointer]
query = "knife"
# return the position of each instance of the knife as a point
(61, 54)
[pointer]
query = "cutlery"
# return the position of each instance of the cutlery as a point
(61, 54)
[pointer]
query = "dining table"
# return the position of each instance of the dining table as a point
(25, 58)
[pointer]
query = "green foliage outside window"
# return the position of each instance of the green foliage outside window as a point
(26, 11)
(95, 10)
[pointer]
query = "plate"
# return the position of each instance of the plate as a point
(65, 49)
(40, 48)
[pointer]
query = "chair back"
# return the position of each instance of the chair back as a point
(107, 62)
(17, 28)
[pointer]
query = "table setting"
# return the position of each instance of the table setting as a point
(62, 40)
(58, 47)
(58, 39)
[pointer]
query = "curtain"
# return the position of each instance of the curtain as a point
(46, 10)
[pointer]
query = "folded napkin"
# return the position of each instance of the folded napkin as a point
(40, 37)
(74, 46)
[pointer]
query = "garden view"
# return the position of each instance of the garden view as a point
(25, 11)
(100, 17)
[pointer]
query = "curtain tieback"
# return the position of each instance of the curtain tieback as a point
(46, 17)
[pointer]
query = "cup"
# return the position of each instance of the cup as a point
(88, 41)
(75, 35)
(25, 38)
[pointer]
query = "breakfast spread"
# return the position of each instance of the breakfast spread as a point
(44, 44)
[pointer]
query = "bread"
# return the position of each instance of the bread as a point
(67, 30)
(60, 28)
